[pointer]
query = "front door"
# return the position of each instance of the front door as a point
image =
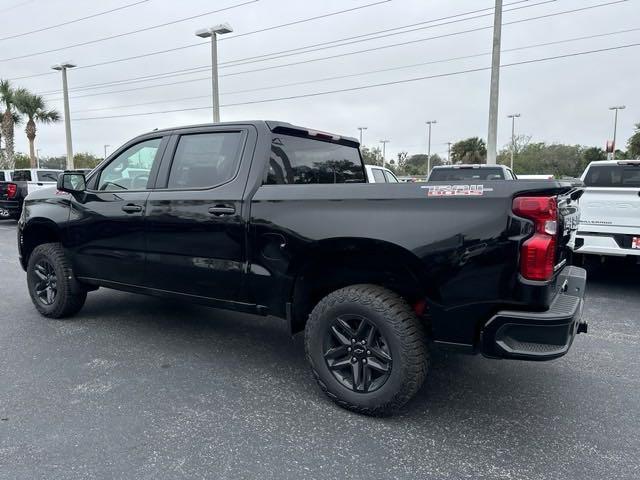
(106, 227)
(195, 231)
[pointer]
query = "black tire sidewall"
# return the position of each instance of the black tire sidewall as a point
(319, 329)
(61, 284)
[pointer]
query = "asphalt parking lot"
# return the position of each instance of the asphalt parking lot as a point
(137, 387)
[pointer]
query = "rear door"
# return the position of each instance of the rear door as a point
(106, 225)
(196, 234)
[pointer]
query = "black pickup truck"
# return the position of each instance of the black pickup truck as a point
(273, 219)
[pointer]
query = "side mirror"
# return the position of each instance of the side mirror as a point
(71, 182)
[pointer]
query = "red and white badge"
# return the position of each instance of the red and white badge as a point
(635, 242)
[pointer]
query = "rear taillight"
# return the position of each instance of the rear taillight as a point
(538, 253)
(12, 190)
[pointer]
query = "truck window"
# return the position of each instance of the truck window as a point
(455, 174)
(378, 175)
(2, 179)
(297, 160)
(22, 176)
(613, 176)
(47, 175)
(391, 178)
(130, 169)
(205, 160)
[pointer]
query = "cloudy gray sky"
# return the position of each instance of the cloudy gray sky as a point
(564, 100)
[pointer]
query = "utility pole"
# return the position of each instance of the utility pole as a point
(449, 152)
(492, 138)
(361, 130)
(513, 134)
(384, 150)
(105, 150)
(430, 123)
(63, 67)
(615, 128)
(38, 157)
(213, 32)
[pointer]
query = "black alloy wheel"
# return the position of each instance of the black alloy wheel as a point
(357, 353)
(46, 282)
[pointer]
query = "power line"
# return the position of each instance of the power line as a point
(243, 60)
(375, 85)
(174, 49)
(352, 75)
(410, 42)
(12, 7)
(119, 35)
(51, 27)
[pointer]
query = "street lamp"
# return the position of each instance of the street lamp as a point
(615, 128)
(38, 157)
(384, 150)
(513, 117)
(105, 150)
(429, 123)
(63, 67)
(213, 32)
(361, 130)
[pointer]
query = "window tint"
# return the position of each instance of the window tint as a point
(21, 176)
(378, 175)
(130, 170)
(2, 179)
(47, 175)
(391, 178)
(613, 176)
(296, 160)
(205, 160)
(454, 174)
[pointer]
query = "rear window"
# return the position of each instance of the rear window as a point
(378, 175)
(21, 176)
(47, 175)
(454, 174)
(297, 160)
(613, 176)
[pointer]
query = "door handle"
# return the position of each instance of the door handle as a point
(130, 208)
(222, 210)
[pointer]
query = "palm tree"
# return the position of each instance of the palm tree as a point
(35, 109)
(7, 97)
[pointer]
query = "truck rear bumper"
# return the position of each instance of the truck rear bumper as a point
(617, 245)
(8, 207)
(539, 335)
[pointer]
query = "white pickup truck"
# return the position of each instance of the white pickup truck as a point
(17, 184)
(610, 209)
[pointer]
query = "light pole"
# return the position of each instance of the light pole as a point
(384, 149)
(361, 130)
(430, 123)
(615, 128)
(105, 150)
(513, 117)
(38, 157)
(213, 32)
(449, 152)
(492, 138)
(63, 67)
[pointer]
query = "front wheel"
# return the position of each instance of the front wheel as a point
(367, 349)
(52, 287)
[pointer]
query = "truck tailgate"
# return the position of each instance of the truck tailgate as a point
(610, 206)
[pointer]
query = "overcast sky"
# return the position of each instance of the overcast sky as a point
(564, 100)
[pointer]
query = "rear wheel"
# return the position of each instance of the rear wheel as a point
(52, 287)
(367, 349)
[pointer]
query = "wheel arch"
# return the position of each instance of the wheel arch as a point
(37, 232)
(340, 262)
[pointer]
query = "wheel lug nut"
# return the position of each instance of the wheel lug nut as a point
(364, 360)
(363, 342)
(348, 349)
(353, 359)
(353, 340)
(368, 352)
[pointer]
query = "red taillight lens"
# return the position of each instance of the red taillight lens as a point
(538, 253)
(12, 189)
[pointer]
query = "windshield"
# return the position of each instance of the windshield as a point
(48, 176)
(613, 176)
(454, 174)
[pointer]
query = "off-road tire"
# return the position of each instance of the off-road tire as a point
(405, 334)
(70, 296)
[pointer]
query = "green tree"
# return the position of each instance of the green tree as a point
(85, 160)
(21, 160)
(594, 154)
(633, 145)
(9, 119)
(35, 109)
(371, 156)
(470, 150)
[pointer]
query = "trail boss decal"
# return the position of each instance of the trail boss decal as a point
(456, 190)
